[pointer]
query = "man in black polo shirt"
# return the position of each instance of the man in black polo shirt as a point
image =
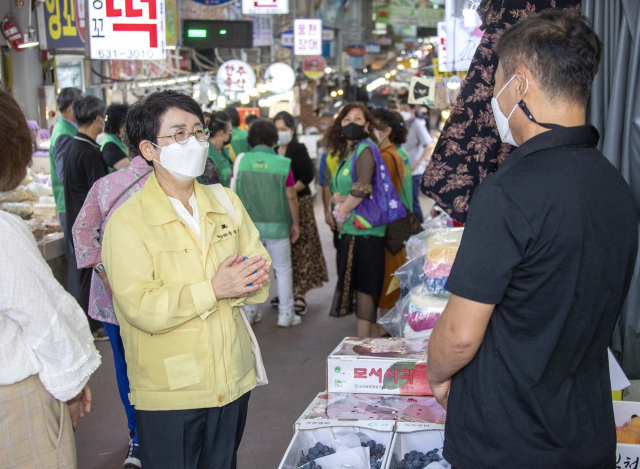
(520, 353)
(83, 166)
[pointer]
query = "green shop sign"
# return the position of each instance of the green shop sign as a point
(409, 15)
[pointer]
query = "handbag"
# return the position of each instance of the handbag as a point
(261, 373)
(400, 230)
(383, 205)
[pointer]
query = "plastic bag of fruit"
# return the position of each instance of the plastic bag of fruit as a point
(415, 315)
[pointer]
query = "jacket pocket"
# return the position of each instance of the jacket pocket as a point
(177, 360)
(177, 262)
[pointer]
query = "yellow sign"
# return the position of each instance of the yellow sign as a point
(172, 21)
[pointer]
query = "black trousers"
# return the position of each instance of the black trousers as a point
(192, 439)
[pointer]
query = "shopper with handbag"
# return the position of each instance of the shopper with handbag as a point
(365, 203)
(103, 199)
(174, 259)
(393, 132)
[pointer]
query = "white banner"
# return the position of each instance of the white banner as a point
(307, 37)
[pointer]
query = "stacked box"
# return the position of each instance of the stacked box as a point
(379, 366)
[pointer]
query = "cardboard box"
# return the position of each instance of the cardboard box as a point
(409, 436)
(364, 408)
(379, 366)
(628, 455)
(311, 432)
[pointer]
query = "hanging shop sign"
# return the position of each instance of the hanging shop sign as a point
(172, 22)
(373, 48)
(314, 67)
(235, 76)
(262, 31)
(121, 30)
(422, 90)
(265, 7)
(328, 34)
(287, 39)
(307, 37)
(279, 77)
(356, 50)
(398, 15)
(61, 24)
(212, 3)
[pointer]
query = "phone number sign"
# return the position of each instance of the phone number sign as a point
(127, 29)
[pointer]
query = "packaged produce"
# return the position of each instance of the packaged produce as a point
(21, 209)
(379, 366)
(336, 447)
(417, 446)
(415, 315)
(627, 432)
(330, 408)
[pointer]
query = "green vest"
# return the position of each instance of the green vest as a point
(239, 141)
(262, 181)
(111, 138)
(62, 127)
(341, 182)
(222, 162)
(406, 195)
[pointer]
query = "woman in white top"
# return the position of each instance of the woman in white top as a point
(46, 349)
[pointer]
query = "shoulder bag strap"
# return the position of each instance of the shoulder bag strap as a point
(224, 200)
(126, 190)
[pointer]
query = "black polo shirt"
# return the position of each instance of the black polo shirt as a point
(551, 240)
(83, 166)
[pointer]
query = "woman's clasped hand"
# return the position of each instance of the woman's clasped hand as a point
(236, 277)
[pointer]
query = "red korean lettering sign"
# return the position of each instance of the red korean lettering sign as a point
(127, 29)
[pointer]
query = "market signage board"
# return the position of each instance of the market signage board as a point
(61, 24)
(400, 15)
(127, 29)
(307, 37)
(235, 76)
(280, 77)
(265, 7)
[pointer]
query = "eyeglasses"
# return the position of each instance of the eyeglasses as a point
(182, 135)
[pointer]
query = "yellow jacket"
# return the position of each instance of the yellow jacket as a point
(184, 349)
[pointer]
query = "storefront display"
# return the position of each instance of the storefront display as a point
(379, 366)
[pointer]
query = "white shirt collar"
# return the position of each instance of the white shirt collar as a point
(192, 221)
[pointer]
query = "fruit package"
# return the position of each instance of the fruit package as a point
(367, 407)
(379, 366)
(415, 315)
(417, 446)
(339, 447)
(430, 256)
(629, 432)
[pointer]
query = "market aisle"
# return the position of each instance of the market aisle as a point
(295, 360)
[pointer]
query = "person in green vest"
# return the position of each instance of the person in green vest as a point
(264, 183)
(361, 252)
(114, 152)
(238, 136)
(62, 135)
(219, 135)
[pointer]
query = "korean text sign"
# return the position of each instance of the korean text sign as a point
(265, 7)
(127, 29)
(307, 37)
(62, 24)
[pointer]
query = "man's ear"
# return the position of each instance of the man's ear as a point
(524, 82)
(147, 150)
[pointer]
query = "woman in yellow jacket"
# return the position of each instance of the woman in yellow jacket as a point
(174, 259)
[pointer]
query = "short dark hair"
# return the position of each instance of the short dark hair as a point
(288, 120)
(232, 112)
(250, 118)
(406, 101)
(116, 118)
(17, 143)
(262, 132)
(87, 108)
(66, 97)
(561, 50)
(145, 116)
(392, 119)
(218, 122)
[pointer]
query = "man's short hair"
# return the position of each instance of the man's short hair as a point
(87, 108)
(116, 117)
(262, 132)
(66, 97)
(560, 49)
(250, 119)
(407, 103)
(145, 116)
(232, 112)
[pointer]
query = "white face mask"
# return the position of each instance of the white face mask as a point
(502, 121)
(406, 115)
(284, 137)
(186, 161)
(377, 134)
